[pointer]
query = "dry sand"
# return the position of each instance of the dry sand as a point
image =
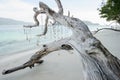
(57, 65)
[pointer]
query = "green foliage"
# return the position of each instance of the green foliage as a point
(111, 10)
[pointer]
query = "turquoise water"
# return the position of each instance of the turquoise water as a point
(15, 38)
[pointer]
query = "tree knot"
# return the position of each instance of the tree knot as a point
(66, 47)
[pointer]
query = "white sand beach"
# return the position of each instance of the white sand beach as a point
(57, 65)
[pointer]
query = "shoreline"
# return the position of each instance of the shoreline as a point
(59, 65)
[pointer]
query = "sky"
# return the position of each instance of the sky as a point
(23, 9)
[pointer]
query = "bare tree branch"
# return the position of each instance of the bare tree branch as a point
(106, 29)
(37, 12)
(46, 27)
(60, 7)
(68, 13)
(47, 49)
(21, 67)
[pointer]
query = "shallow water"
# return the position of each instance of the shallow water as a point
(15, 38)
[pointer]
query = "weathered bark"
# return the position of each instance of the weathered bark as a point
(54, 46)
(60, 7)
(68, 13)
(98, 62)
(21, 67)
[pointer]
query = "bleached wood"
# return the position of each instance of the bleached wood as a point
(98, 62)
(46, 27)
(60, 7)
(96, 59)
(37, 12)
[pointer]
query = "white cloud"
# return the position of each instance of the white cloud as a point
(88, 15)
(16, 9)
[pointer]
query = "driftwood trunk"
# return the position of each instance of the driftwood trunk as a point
(98, 62)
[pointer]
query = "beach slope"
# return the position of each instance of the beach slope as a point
(60, 65)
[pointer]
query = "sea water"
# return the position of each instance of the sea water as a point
(16, 38)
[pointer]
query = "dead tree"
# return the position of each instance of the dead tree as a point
(98, 62)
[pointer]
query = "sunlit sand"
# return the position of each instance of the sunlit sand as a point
(60, 65)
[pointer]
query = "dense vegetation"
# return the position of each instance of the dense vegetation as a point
(111, 10)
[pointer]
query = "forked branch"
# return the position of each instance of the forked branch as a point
(38, 12)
